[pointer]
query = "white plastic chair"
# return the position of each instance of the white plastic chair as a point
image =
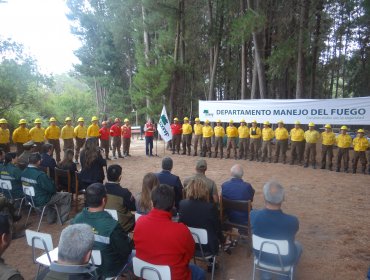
(29, 192)
(200, 237)
(6, 186)
(150, 271)
(113, 213)
(277, 247)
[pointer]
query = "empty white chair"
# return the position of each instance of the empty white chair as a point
(150, 271)
(113, 213)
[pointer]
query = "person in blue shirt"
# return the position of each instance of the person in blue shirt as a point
(47, 160)
(237, 189)
(272, 223)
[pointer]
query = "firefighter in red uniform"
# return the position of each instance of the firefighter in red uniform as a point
(115, 132)
(149, 130)
(126, 137)
(104, 132)
(176, 129)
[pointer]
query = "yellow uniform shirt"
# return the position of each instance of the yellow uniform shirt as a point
(344, 141)
(219, 131)
(255, 133)
(4, 136)
(198, 129)
(187, 129)
(93, 130)
(360, 144)
(67, 132)
(267, 134)
(243, 131)
(207, 131)
(37, 134)
(281, 133)
(297, 134)
(231, 131)
(328, 138)
(312, 136)
(21, 135)
(52, 132)
(80, 131)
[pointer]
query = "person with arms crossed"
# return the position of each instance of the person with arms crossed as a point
(207, 137)
(115, 132)
(219, 133)
(126, 137)
(328, 141)
(80, 133)
(311, 136)
(267, 136)
(21, 135)
(187, 131)
(281, 136)
(255, 141)
(67, 134)
(360, 146)
(243, 131)
(343, 142)
(232, 135)
(52, 135)
(297, 143)
(37, 134)
(198, 137)
(149, 130)
(176, 130)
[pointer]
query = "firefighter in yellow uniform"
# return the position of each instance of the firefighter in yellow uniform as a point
(255, 140)
(4, 136)
(187, 131)
(52, 135)
(344, 142)
(37, 134)
(207, 136)
(243, 132)
(311, 136)
(93, 129)
(80, 133)
(67, 135)
(296, 143)
(232, 135)
(281, 136)
(219, 132)
(21, 135)
(360, 145)
(267, 136)
(198, 136)
(327, 145)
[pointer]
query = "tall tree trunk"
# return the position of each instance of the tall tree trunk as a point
(301, 64)
(243, 60)
(146, 50)
(254, 81)
(213, 73)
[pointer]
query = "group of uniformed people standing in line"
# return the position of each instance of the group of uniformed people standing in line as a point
(257, 143)
(38, 135)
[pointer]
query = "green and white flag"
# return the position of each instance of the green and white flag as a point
(164, 126)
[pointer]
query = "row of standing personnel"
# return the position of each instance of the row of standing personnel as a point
(258, 143)
(73, 137)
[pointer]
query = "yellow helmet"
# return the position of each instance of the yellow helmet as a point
(22, 121)
(231, 121)
(297, 122)
(218, 121)
(266, 123)
(207, 121)
(343, 127)
(52, 119)
(280, 122)
(3, 121)
(126, 120)
(37, 121)
(242, 120)
(67, 119)
(94, 118)
(254, 121)
(360, 131)
(80, 119)
(197, 119)
(186, 119)
(311, 124)
(176, 119)
(327, 126)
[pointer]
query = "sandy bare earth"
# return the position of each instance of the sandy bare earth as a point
(333, 210)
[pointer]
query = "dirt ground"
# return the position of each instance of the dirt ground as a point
(333, 210)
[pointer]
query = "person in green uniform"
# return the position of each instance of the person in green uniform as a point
(11, 172)
(110, 238)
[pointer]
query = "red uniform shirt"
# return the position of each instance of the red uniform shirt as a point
(104, 133)
(126, 131)
(176, 128)
(115, 130)
(149, 131)
(168, 243)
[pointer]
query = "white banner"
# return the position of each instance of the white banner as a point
(344, 111)
(164, 126)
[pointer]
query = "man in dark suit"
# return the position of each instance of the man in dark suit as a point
(166, 177)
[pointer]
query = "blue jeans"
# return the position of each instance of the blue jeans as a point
(197, 273)
(149, 145)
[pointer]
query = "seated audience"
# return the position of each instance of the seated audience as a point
(237, 189)
(196, 211)
(74, 251)
(28, 148)
(47, 160)
(166, 177)
(143, 200)
(68, 164)
(10, 171)
(200, 169)
(2, 155)
(110, 238)
(272, 223)
(45, 190)
(6, 272)
(120, 198)
(159, 240)
(92, 164)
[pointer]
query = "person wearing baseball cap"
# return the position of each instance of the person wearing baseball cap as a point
(281, 136)
(126, 137)
(311, 136)
(187, 132)
(198, 136)
(52, 135)
(80, 133)
(176, 130)
(21, 135)
(360, 146)
(219, 138)
(328, 141)
(67, 134)
(296, 143)
(207, 135)
(343, 142)
(243, 132)
(255, 140)
(232, 135)
(4, 136)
